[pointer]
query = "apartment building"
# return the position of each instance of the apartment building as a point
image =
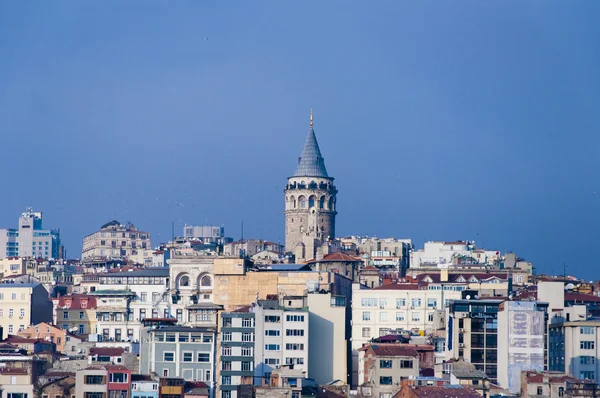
(281, 336)
(179, 351)
(91, 382)
(382, 368)
(13, 266)
(119, 381)
(115, 240)
(75, 313)
(556, 384)
(522, 341)
(23, 304)
(124, 299)
(16, 382)
(574, 347)
(29, 239)
(236, 367)
(477, 334)
(143, 386)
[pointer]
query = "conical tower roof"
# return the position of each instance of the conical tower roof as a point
(311, 163)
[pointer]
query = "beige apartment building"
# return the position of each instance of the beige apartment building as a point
(115, 240)
(12, 266)
(75, 313)
(23, 304)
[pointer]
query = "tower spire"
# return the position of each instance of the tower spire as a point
(311, 118)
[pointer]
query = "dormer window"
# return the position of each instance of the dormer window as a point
(83, 303)
(461, 279)
(473, 280)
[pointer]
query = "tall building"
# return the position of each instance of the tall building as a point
(115, 240)
(23, 304)
(310, 202)
(30, 240)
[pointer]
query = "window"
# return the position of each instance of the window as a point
(10, 329)
(294, 346)
(187, 357)
(271, 361)
(368, 302)
(168, 357)
(294, 361)
(225, 365)
(366, 332)
(399, 316)
(14, 296)
(225, 351)
(587, 375)
(406, 364)
(22, 312)
(270, 332)
(385, 363)
(366, 316)
(118, 378)
(385, 380)
(383, 317)
(400, 302)
(382, 302)
(204, 357)
(92, 395)
(247, 351)
(92, 379)
(431, 302)
(226, 380)
(165, 372)
(586, 330)
(587, 360)
(65, 314)
(247, 323)
(272, 347)
(430, 317)
(226, 336)
(294, 332)
(272, 318)
(586, 345)
(247, 366)
(247, 337)
(294, 318)
(416, 316)
(416, 302)
(561, 391)
(144, 297)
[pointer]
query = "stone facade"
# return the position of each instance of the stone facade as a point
(310, 202)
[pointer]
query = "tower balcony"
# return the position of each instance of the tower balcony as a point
(329, 187)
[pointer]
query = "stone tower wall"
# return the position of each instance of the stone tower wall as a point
(310, 210)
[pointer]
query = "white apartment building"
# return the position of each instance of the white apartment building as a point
(207, 233)
(400, 306)
(434, 253)
(30, 240)
(115, 240)
(12, 266)
(124, 299)
(23, 304)
(281, 336)
(574, 344)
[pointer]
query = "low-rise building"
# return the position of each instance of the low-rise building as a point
(13, 266)
(66, 342)
(143, 386)
(382, 368)
(555, 384)
(179, 351)
(23, 304)
(62, 387)
(75, 313)
(91, 382)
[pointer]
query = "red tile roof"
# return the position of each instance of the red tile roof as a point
(391, 350)
(245, 308)
(583, 297)
(13, 371)
(76, 301)
(443, 392)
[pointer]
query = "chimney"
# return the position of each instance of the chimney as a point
(444, 275)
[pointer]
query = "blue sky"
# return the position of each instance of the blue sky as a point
(440, 120)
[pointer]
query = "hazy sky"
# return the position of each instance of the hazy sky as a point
(439, 120)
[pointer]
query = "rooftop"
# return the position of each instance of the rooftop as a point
(443, 392)
(107, 351)
(311, 162)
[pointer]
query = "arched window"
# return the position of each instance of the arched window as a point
(561, 391)
(206, 281)
(311, 201)
(330, 204)
(321, 202)
(302, 200)
(184, 281)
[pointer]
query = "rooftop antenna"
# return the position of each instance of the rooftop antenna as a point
(311, 118)
(242, 239)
